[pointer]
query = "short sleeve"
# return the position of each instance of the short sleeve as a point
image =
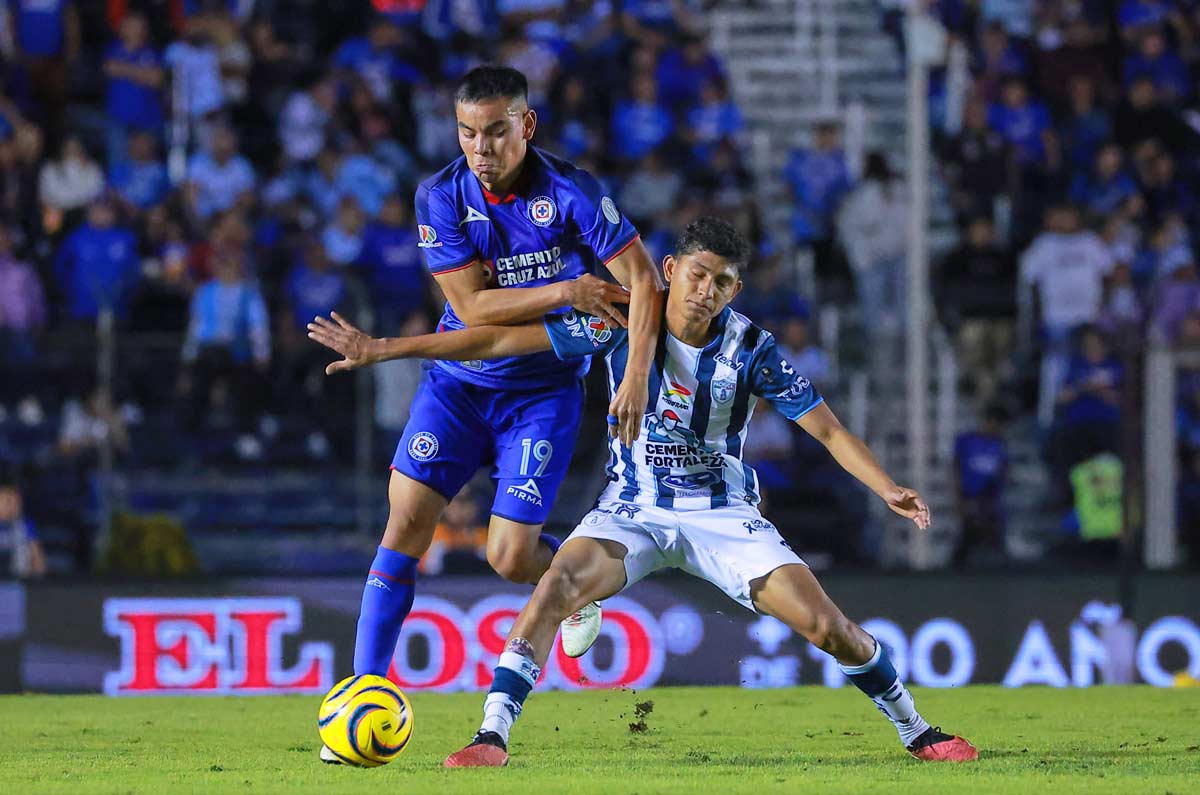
(439, 235)
(773, 379)
(602, 225)
(574, 336)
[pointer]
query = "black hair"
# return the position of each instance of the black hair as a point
(717, 236)
(492, 82)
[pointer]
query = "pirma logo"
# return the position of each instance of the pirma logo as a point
(527, 492)
(375, 582)
(542, 211)
(423, 446)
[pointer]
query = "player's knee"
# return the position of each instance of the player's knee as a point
(515, 563)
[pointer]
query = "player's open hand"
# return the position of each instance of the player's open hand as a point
(627, 408)
(597, 297)
(341, 336)
(909, 504)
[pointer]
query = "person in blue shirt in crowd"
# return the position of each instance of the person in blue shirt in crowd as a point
(1026, 124)
(683, 71)
(980, 474)
(716, 118)
(509, 233)
(97, 265)
(392, 267)
(818, 178)
(140, 178)
(1107, 187)
(228, 342)
(1165, 68)
(135, 78)
(219, 179)
(641, 123)
(21, 553)
(47, 38)
(1089, 404)
(374, 59)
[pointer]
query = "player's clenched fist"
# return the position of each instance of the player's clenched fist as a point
(594, 296)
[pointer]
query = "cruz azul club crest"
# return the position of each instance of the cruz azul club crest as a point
(542, 211)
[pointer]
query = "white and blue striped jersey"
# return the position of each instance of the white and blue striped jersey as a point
(689, 453)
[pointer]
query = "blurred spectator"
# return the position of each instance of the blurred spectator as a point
(1015, 15)
(228, 346)
(1164, 194)
(314, 288)
(343, 237)
(1107, 187)
(725, 182)
(1080, 58)
(196, 70)
(1143, 116)
(460, 540)
(1066, 266)
(72, 181)
(652, 190)
(140, 178)
(220, 178)
(572, 128)
(683, 71)
(801, 351)
(87, 425)
(20, 170)
(1090, 402)
(1086, 125)
(772, 296)
(21, 553)
(641, 123)
(305, 119)
(1165, 251)
(375, 60)
(233, 57)
(135, 77)
(47, 37)
(713, 119)
(1178, 292)
(1025, 123)
(364, 179)
(391, 262)
(997, 59)
(1168, 73)
(978, 286)
(97, 265)
(818, 178)
(22, 316)
(980, 475)
(1123, 312)
(872, 227)
(978, 162)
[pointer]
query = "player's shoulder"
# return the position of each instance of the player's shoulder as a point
(748, 334)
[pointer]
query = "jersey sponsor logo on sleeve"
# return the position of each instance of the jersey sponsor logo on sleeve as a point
(723, 390)
(609, 208)
(759, 526)
(473, 215)
(428, 237)
(588, 327)
(542, 211)
(797, 389)
(423, 446)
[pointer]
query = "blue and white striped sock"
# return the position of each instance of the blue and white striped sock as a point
(878, 679)
(515, 676)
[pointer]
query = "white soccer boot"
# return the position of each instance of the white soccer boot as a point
(580, 629)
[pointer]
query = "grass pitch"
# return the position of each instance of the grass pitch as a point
(723, 740)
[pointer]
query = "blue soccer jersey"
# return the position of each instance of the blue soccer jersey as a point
(556, 225)
(689, 453)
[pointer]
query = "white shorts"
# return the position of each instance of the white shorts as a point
(729, 547)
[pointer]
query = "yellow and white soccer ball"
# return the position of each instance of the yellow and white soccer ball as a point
(365, 720)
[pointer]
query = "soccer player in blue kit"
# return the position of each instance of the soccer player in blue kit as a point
(681, 496)
(510, 234)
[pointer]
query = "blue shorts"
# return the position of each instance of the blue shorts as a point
(527, 436)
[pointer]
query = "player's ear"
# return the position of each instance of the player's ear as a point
(529, 124)
(668, 267)
(737, 288)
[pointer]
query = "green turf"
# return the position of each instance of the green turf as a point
(808, 739)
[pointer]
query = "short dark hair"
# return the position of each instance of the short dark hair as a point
(492, 82)
(717, 236)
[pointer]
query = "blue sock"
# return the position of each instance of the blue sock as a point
(514, 677)
(387, 598)
(877, 678)
(550, 541)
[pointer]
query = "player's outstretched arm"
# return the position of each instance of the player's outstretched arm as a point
(634, 268)
(477, 305)
(360, 349)
(856, 458)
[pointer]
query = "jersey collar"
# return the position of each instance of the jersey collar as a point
(519, 187)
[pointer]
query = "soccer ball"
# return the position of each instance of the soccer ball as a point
(365, 720)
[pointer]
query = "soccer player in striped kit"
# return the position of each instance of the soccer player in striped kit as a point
(680, 495)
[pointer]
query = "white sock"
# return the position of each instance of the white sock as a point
(878, 680)
(499, 714)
